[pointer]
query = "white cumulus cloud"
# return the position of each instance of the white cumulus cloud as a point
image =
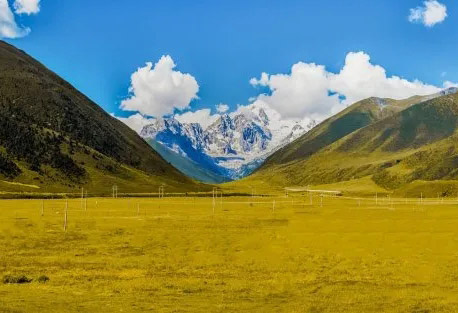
(136, 121)
(8, 26)
(310, 90)
(27, 6)
(222, 108)
(203, 117)
(431, 13)
(305, 91)
(449, 84)
(159, 90)
(360, 79)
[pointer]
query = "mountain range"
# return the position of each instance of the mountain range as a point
(55, 139)
(230, 148)
(394, 144)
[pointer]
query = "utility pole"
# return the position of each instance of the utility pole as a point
(161, 191)
(214, 195)
(115, 191)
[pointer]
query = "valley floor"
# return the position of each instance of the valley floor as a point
(248, 255)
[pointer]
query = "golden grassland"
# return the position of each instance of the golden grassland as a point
(261, 254)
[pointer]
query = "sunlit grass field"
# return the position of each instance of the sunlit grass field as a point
(261, 254)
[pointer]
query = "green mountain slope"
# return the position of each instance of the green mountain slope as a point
(54, 137)
(186, 165)
(418, 143)
(356, 116)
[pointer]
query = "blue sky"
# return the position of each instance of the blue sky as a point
(97, 45)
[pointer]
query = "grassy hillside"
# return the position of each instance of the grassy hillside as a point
(356, 116)
(54, 137)
(418, 143)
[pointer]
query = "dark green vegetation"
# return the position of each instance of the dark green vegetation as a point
(53, 138)
(395, 145)
(21, 279)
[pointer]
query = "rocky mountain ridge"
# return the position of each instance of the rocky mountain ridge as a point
(233, 146)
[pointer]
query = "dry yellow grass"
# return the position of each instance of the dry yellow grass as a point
(175, 255)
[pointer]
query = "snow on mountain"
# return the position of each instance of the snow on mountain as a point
(234, 145)
(449, 91)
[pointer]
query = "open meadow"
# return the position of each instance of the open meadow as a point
(244, 254)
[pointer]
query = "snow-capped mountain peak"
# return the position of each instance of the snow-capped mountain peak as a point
(232, 146)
